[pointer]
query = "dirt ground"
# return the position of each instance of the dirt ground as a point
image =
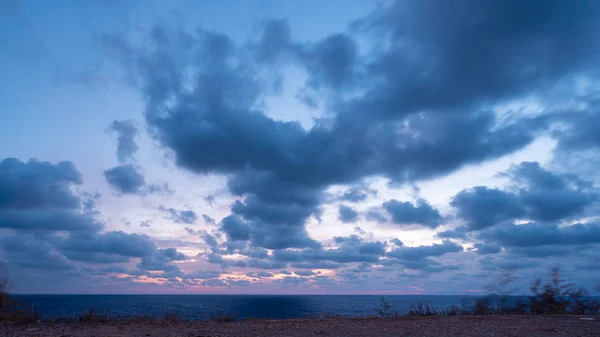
(480, 326)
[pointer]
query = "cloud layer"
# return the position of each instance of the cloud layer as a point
(411, 92)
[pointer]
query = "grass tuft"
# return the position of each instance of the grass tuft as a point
(221, 318)
(12, 312)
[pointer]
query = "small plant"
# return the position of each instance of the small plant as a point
(422, 309)
(558, 297)
(452, 311)
(172, 317)
(386, 310)
(91, 316)
(221, 318)
(12, 312)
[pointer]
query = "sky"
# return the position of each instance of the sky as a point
(298, 147)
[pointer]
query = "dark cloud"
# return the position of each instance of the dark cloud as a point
(163, 189)
(210, 200)
(275, 41)
(478, 51)
(541, 234)
(361, 268)
(215, 282)
(180, 216)
(260, 274)
(275, 165)
(127, 147)
(330, 62)
(549, 196)
(263, 264)
(306, 273)
(55, 229)
(420, 257)
(482, 207)
(275, 210)
(172, 254)
(209, 220)
(37, 195)
(292, 280)
(405, 213)
(482, 248)
(204, 274)
(540, 195)
(117, 243)
(31, 252)
(491, 264)
(317, 265)
(235, 228)
(347, 214)
(95, 257)
(436, 143)
(580, 132)
(126, 179)
(208, 238)
(322, 280)
(216, 259)
(357, 194)
(456, 233)
(255, 252)
(426, 88)
(419, 252)
(35, 184)
(375, 215)
(547, 251)
(48, 219)
(162, 260)
(349, 249)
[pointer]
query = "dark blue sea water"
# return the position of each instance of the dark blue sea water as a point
(197, 307)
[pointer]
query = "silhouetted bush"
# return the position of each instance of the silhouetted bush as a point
(172, 317)
(221, 318)
(91, 316)
(12, 312)
(559, 297)
(422, 309)
(386, 310)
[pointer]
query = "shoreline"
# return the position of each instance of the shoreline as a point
(467, 325)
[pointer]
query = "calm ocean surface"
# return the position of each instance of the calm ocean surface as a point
(197, 307)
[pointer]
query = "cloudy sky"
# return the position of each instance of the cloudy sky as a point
(401, 147)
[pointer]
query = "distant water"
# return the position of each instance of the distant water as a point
(197, 307)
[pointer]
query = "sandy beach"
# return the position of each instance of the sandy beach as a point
(530, 326)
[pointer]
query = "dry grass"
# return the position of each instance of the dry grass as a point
(12, 312)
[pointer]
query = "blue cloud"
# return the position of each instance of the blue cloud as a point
(235, 228)
(482, 207)
(539, 234)
(118, 243)
(127, 146)
(405, 213)
(357, 194)
(37, 184)
(545, 196)
(347, 214)
(37, 195)
(126, 179)
(185, 216)
(482, 248)
(549, 196)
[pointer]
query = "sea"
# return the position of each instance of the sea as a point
(202, 307)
